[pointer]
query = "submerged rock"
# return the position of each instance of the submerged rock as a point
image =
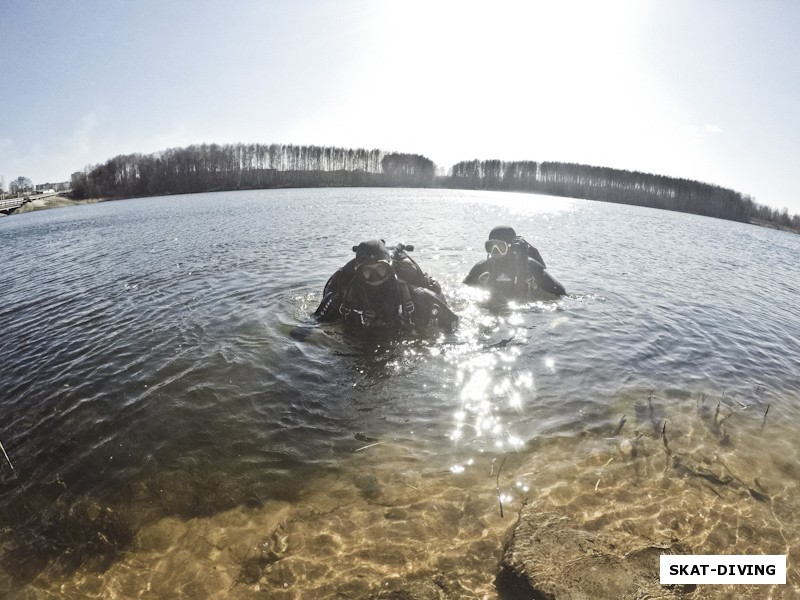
(549, 558)
(627, 449)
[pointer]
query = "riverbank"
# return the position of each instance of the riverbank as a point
(771, 225)
(53, 202)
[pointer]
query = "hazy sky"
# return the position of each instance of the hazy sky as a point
(700, 89)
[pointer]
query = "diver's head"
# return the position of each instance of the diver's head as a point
(498, 246)
(373, 262)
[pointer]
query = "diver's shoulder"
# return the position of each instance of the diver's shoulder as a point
(476, 271)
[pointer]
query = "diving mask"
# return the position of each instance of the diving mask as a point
(496, 247)
(375, 273)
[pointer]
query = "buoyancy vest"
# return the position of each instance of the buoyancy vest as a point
(520, 274)
(388, 306)
(509, 276)
(410, 298)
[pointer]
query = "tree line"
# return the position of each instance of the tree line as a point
(604, 184)
(614, 185)
(19, 185)
(213, 167)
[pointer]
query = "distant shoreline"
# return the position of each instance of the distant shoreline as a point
(61, 201)
(771, 225)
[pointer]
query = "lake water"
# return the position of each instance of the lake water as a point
(178, 424)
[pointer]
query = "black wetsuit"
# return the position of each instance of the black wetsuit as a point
(407, 300)
(515, 275)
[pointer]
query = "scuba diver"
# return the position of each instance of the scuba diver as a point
(379, 288)
(513, 268)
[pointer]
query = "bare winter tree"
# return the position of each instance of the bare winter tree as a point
(21, 185)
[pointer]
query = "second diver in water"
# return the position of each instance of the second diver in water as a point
(513, 268)
(385, 289)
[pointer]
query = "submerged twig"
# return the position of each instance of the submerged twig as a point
(621, 425)
(655, 413)
(369, 446)
(764, 420)
(497, 486)
(734, 475)
(600, 475)
(664, 439)
(728, 416)
(497, 481)
(7, 459)
(754, 493)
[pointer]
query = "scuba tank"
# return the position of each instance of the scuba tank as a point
(409, 271)
(524, 247)
(423, 299)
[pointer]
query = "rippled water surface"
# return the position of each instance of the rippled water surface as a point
(178, 425)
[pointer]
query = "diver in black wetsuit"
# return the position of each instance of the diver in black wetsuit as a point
(383, 289)
(513, 268)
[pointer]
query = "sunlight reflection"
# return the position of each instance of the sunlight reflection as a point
(492, 393)
(524, 203)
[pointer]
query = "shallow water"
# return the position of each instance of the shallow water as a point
(179, 425)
